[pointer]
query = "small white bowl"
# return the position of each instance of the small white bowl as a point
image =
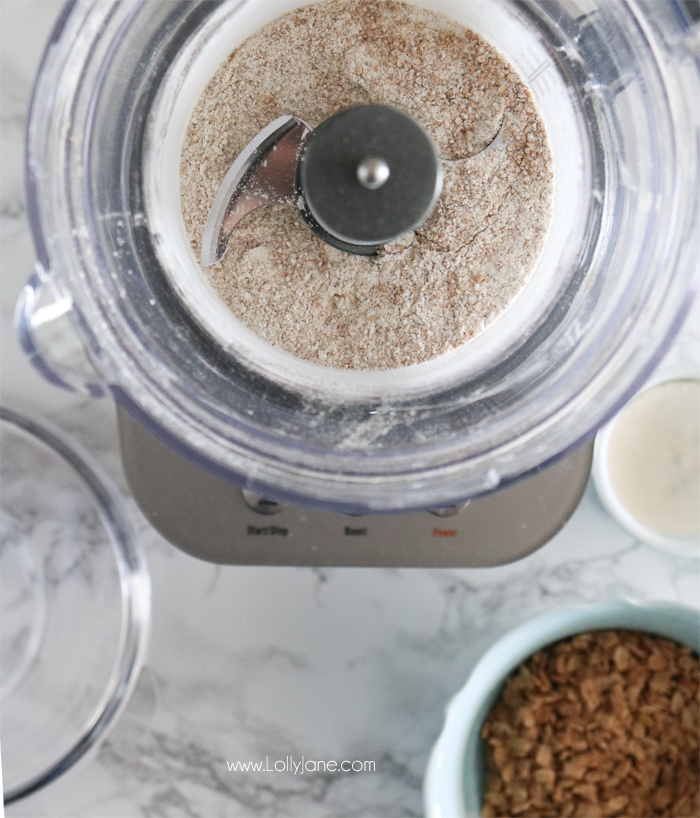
(688, 546)
(453, 785)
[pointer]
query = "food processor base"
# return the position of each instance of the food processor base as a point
(216, 521)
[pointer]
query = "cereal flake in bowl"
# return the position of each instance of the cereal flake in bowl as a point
(603, 723)
(580, 712)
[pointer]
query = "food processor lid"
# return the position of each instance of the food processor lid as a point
(75, 605)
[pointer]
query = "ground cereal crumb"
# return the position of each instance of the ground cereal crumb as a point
(428, 292)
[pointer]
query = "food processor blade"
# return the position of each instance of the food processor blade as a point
(273, 168)
(262, 174)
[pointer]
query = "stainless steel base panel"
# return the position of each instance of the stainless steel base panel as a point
(218, 522)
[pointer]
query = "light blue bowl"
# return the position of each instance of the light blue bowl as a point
(453, 786)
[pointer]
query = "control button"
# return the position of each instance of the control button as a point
(449, 511)
(261, 505)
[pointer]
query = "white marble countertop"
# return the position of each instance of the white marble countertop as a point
(247, 662)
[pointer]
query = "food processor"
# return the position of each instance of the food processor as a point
(239, 452)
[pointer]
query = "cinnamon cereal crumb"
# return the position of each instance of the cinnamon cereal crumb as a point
(430, 291)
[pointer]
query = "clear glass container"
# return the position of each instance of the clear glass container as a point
(117, 305)
(75, 606)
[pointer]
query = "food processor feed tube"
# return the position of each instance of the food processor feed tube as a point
(119, 304)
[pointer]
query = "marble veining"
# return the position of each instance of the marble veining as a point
(248, 664)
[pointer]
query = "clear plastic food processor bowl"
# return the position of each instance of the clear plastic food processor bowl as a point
(118, 306)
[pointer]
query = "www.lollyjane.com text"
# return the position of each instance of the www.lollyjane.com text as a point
(290, 765)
